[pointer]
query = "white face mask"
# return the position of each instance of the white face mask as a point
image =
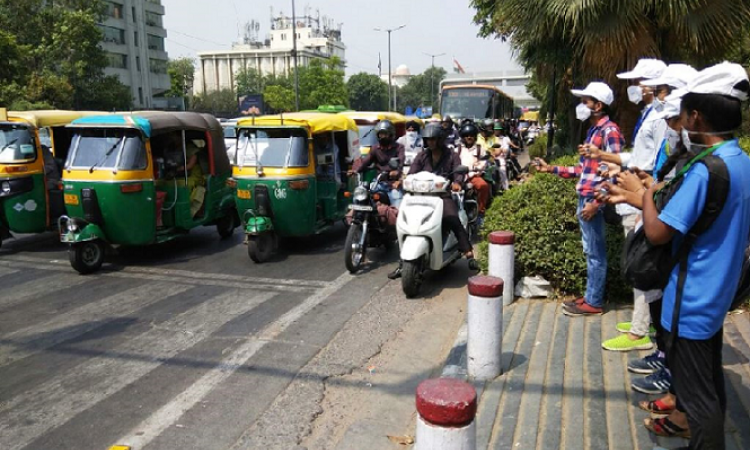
(635, 94)
(673, 137)
(583, 112)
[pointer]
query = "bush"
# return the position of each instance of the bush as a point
(542, 214)
(539, 148)
(745, 144)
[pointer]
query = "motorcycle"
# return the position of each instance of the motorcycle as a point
(423, 243)
(368, 227)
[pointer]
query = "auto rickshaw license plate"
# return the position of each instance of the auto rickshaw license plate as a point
(360, 208)
(71, 199)
(243, 194)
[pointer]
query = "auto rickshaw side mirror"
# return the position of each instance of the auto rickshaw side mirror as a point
(393, 163)
(325, 159)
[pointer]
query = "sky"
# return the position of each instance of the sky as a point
(432, 26)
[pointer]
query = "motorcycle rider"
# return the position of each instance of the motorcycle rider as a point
(472, 155)
(411, 141)
(381, 154)
(437, 158)
(449, 130)
(486, 136)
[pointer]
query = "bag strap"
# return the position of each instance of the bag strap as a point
(718, 191)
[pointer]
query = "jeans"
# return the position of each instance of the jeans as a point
(595, 249)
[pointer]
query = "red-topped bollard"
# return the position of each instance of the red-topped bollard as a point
(446, 408)
(484, 346)
(502, 259)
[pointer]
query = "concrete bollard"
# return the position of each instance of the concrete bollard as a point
(484, 347)
(446, 409)
(502, 261)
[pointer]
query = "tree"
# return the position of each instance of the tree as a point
(576, 42)
(322, 83)
(51, 54)
(279, 98)
(421, 90)
(181, 73)
(367, 92)
(219, 103)
(248, 81)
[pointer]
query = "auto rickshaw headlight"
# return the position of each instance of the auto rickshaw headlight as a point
(72, 227)
(360, 194)
(5, 187)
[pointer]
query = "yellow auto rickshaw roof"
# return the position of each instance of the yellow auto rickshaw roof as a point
(530, 115)
(316, 122)
(374, 116)
(49, 118)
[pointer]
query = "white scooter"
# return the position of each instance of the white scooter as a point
(422, 241)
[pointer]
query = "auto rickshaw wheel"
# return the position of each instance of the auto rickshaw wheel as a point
(260, 247)
(86, 257)
(354, 255)
(225, 225)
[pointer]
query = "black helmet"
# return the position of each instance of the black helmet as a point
(433, 130)
(387, 126)
(468, 129)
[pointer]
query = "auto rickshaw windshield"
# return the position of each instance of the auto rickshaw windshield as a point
(368, 137)
(107, 149)
(282, 147)
(16, 144)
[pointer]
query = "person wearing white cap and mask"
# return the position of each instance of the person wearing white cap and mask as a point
(604, 134)
(701, 288)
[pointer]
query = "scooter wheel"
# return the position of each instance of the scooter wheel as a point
(260, 247)
(86, 257)
(411, 278)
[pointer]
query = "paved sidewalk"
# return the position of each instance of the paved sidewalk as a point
(560, 390)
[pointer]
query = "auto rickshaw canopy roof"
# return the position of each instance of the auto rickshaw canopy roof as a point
(49, 118)
(530, 115)
(154, 123)
(315, 122)
(374, 116)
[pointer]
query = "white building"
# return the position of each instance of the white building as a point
(134, 41)
(400, 76)
(217, 69)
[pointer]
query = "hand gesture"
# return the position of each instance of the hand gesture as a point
(542, 166)
(455, 187)
(589, 211)
(589, 151)
(629, 181)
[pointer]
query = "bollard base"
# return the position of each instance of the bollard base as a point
(433, 437)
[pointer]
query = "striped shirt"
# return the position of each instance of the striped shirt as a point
(605, 135)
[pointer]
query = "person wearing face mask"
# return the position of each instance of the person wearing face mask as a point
(603, 134)
(386, 149)
(472, 155)
(486, 136)
(700, 289)
(411, 141)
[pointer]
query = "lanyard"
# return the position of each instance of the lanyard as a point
(641, 119)
(690, 164)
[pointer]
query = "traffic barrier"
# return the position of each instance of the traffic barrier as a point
(446, 410)
(485, 327)
(502, 260)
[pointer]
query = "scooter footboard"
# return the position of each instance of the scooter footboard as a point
(414, 247)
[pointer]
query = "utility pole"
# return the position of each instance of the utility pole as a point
(391, 107)
(432, 78)
(294, 54)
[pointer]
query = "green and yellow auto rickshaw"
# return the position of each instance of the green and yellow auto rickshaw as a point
(291, 176)
(143, 178)
(33, 145)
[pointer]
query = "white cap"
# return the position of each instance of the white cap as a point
(720, 79)
(646, 68)
(671, 109)
(597, 90)
(675, 75)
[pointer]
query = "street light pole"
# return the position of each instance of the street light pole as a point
(294, 53)
(390, 72)
(432, 78)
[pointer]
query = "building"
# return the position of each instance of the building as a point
(400, 77)
(134, 41)
(316, 39)
(512, 82)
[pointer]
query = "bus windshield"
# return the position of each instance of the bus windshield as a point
(282, 147)
(101, 148)
(467, 103)
(16, 144)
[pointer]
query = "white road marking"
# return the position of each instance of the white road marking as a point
(7, 271)
(29, 415)
(38, 337)
(170, 413)
(35, 288)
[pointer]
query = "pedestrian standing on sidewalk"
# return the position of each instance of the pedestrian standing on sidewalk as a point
(694, 310)
(603, 134)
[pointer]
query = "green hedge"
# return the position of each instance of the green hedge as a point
(542, 214)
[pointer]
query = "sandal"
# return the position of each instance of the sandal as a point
(656, 407)
(665, 428)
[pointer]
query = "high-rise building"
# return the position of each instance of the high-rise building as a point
(317, 38)
(134, 41)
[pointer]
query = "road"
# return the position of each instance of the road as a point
(189, 345)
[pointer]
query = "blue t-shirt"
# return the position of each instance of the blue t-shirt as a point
(715, 259)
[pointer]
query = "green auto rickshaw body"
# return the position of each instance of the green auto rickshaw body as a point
(125, 183)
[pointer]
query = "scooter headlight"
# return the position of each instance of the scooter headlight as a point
(5, 187)
(423, 186)
(360, 194)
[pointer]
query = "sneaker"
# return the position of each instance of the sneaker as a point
(625, 327)
(584, 309)
(623, 343)
(395, 274)
(648, 365)
(474, 265)
(577, 302)
(656, 383)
